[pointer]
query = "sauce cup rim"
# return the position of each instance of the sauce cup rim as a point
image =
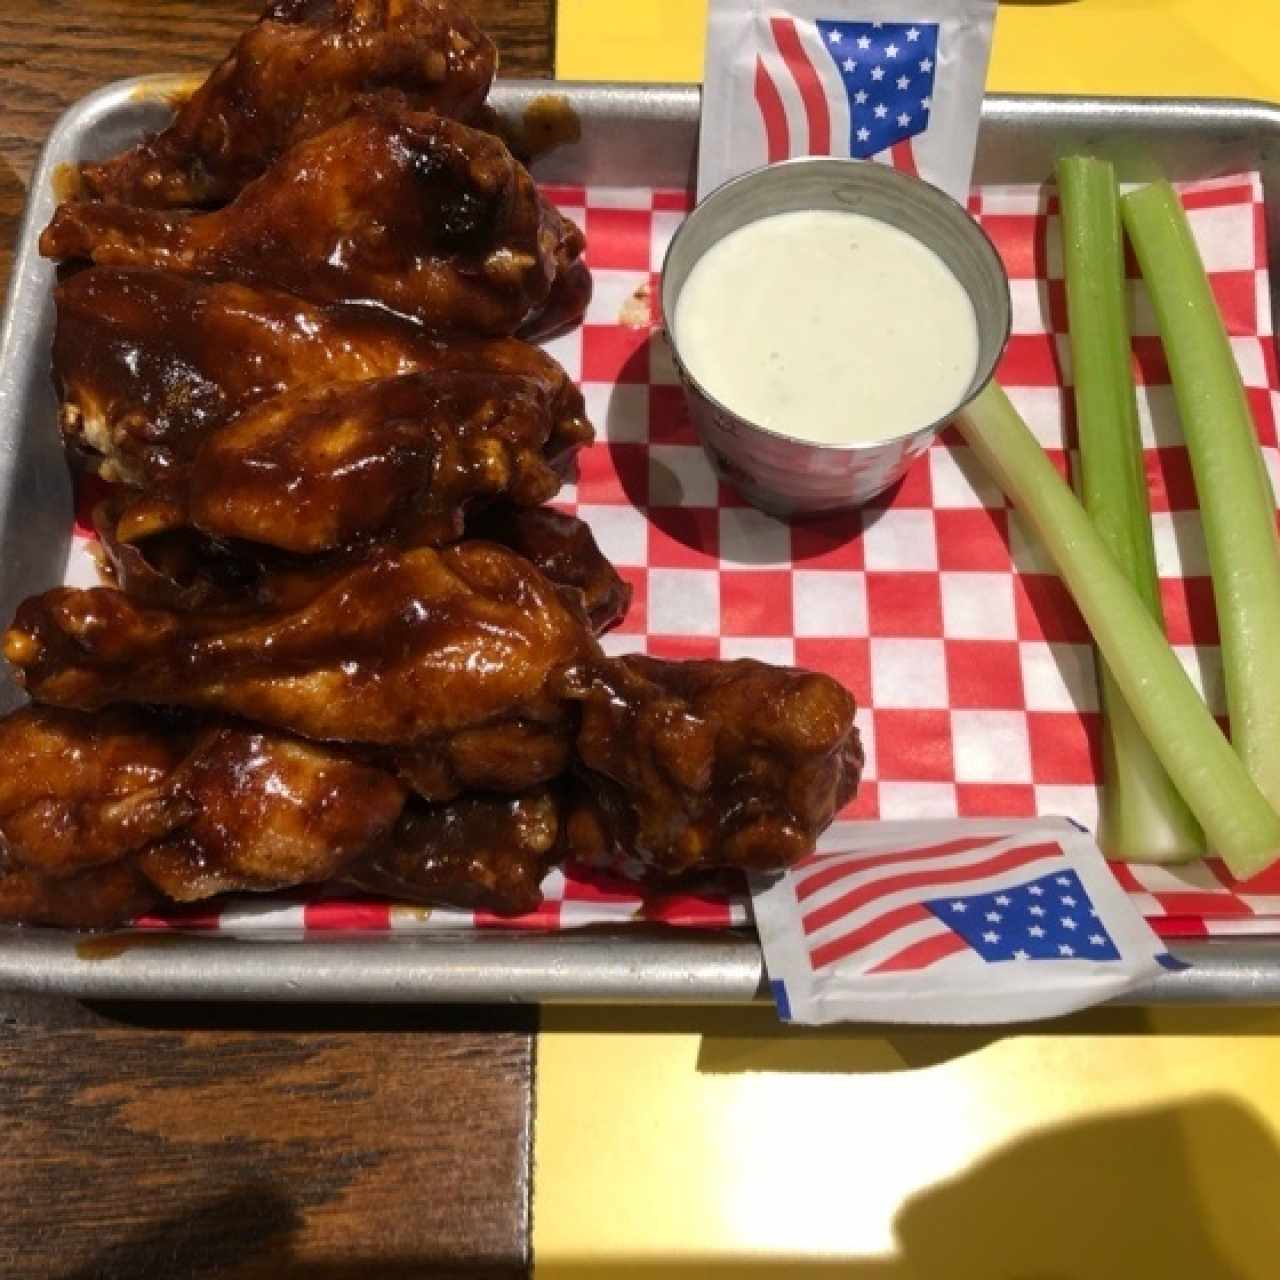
(983, 374)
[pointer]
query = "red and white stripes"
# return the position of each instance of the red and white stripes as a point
(871, 905)
(801, 99)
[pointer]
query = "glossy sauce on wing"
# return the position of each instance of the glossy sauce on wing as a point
(828, 326)
(148, 364)
(444, 652)
(305, 65)
(399, 209)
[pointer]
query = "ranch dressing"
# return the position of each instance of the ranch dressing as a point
(828, 326)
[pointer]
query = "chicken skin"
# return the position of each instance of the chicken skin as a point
(76, 791)
(102, 813)
(98, 898)
(565, 550)
(262, 810)
(106, 814)
(691, 766)
(184, 570)
(147, 364)
(318, 469)
(457, 663)
(480, 852)
(297, 71)
(409, 211)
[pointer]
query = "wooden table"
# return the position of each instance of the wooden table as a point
(161, 1141)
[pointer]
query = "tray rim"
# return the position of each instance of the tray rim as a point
(586, 966)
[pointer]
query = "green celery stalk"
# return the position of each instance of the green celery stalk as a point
(1240, 824)
(1236, 502)
(1143, 816)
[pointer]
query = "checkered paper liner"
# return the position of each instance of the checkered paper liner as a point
(1198, 901)
(972, 669)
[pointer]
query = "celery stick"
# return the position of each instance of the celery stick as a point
(1240, 824)
(1236, 502)
(1143, 816)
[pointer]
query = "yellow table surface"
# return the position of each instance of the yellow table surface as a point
(1112, 1146)
(1215, 48)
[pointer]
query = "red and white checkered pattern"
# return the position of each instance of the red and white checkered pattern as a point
(574, 896)
(1201, 900)
(935, 606)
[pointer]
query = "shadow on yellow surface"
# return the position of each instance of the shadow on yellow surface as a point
(1112, 1198)
(1083, 1200)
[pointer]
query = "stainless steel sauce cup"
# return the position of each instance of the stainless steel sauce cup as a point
(777, 472)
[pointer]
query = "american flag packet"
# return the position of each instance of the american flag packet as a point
(951, 922)
(897, 82)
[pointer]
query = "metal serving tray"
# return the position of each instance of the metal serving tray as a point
(631, 135)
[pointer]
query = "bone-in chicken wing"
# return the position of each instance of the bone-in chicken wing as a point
(458, 660)
(262, 810)
(148, 363)
(96, 898)
(78, 791)
(565, 549)
(411, 211)
(297, 71)
(484, 852)
(318, 469)
(695, 765)
(185, 570)
(102, 812)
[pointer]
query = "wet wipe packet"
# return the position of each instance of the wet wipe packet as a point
(952, 921)
(897, 82)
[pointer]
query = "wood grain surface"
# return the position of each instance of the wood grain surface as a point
(167, 1142)
(246, 1143)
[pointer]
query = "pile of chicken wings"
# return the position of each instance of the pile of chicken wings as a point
(344, 640)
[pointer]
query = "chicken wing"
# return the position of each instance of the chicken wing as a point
(459, 661)
(97, 898)
(102, 813)
(410, 211)
(105, 814)
(480, 852)
(297, 71)
(570, 293)
(148, 363)
(231, 803)
(565, 550)
(319, 469)
(185, 571)
(78, 791)
(696, 765)
(262, 810)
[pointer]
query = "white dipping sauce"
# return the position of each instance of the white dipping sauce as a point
(828, 326)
